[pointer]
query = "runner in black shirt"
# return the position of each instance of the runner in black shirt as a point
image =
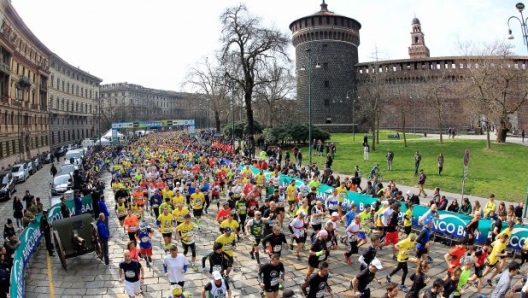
(317, 283)
(312, 198)
(419, 280)
(360, 283)
(270, 276)
(370, 253)
(218, 260)
(317, 251)
(435, 290)
(273, 242)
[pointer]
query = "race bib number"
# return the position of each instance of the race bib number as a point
(228, 247)
(133, 228)
(130, 274)
(121, 214)
(145, 239)
(277, 248)
(167, 230)
(242, 208)
(155, 206)
(217, 268)
(274, 282)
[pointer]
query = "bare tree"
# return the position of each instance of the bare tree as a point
(281, 85)
(252, 46)
(496, 84)
(437, 89)
(208, 78)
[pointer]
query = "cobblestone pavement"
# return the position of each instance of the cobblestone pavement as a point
(89, 277)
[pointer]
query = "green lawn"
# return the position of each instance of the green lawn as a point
(501, 170)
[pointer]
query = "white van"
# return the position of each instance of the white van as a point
(75, 155)
(87, 143)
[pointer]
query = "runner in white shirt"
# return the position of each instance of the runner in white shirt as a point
(175, 265)
(316, 219)
(298, 230)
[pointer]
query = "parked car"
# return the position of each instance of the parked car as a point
(7, 186)
(37, 164)
(31, 168)
(20, 172)
(75, 155)
(48, 158)
(68, 169)
(61, 183)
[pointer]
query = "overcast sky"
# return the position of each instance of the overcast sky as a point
(152, 43)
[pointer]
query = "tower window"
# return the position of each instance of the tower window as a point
(327, 102)
(328, 119)
(327, 84)
(325, 65)
(416, 39)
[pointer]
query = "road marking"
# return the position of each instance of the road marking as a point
(50, 277)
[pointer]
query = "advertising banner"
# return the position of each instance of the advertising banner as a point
(30, 239)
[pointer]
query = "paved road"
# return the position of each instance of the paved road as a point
(89, 277)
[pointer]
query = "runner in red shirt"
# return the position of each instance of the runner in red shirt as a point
(453, 257)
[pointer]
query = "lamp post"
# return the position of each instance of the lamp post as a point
(19, 118)
(309, 51)
(522, 22)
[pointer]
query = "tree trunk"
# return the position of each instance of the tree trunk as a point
(441, 134)
(249, 112)
(403, 129)
(488, 142)
(217, 121)
(373, 136)
(502, 132)
(377, 130)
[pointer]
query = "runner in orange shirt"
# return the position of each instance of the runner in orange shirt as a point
(131, 225)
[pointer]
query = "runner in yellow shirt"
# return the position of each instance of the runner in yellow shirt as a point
(185, 232)
(179, 213)
(166, 223)
(178, 198)
(260, 179)
(197, 203)
(232, 223)
(493, 258)
(291, 192)
(227, 239)
(405, 247)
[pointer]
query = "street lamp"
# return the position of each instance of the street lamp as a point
(524, 30)
(353, 116)
(317, 66)
(19, 118)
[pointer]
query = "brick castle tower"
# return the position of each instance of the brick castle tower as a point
(418, 49)
(332, 42)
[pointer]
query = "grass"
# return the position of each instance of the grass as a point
(500, 170)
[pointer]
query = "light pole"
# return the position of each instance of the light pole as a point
(524, 29)
(309, 51)
(19, 118)
(353, 116)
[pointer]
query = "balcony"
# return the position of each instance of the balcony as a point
(24, 82)
(5, 68)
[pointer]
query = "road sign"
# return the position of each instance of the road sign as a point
(466, 158)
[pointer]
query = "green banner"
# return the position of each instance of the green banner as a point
(30, 239)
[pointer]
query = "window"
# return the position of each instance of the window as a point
(327, 84)
(327, 102)
(325, 65)
(328, 119)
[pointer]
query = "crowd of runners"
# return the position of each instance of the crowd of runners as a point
(171, 180)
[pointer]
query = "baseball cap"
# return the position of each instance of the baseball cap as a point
(228, 230)
(335, 214)
(217, 275)
(322, 233)
(376, 263)
(301, 212)
(177, 291)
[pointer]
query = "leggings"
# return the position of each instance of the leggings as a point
(242, 218)
(403, 267)
(207, 203)
(353, 248)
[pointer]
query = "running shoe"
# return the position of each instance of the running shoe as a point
(281, 286)
(291, 246)
(429, 259)
(347, 258)
(252, 255)
(298, 257)
(481, 296)
(403, 288)
(387, 277)
(489, 283)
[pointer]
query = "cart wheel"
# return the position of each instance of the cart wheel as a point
(60, 250)
(95, 241)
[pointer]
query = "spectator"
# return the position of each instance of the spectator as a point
(78, 203)
(104, 210)
(104, 235)
(65, 211)
(366, 150)
(9, 228)
(510, 214)
(417, 160)
(490, 205)
(11, 245)
(421, 183)
(18, 209)
(28, 218)
(53, 170)
(442, 203)
(45, 228)
(453, 207)
(519, 211)
(27, 199)
(466, 207)
(390, 158)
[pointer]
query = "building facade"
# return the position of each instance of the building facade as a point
(406, 88)
(124, 102)
(326, 50)
(24, 78)
(73, 103)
